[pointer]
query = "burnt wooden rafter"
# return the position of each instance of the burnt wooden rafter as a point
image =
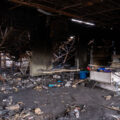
(82, 4)
(104, 11)
(53, 10)
(60, 11)
(86, 10)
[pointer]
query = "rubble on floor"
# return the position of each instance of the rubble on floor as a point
(65, 103)
(16, 82)
(108, 97)
(18, 111)
(73, 112)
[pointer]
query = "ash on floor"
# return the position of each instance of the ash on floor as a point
(63, 103)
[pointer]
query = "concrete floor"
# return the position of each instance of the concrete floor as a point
(55, 100)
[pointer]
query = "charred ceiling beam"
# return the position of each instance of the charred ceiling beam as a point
(83, 4)
(100, 12)
(46, 8)
(47, 1)
(115, 2)
(14, 7)
(71, 6)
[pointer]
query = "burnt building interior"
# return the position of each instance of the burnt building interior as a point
(59, 60)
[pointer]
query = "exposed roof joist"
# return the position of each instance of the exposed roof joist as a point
(35, 5)
(86, 10)
(82, 4)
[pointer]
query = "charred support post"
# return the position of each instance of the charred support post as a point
(0, 63)
(77, 53)
(40, 61)
(4, 60)
(82, 54)
(41, 52)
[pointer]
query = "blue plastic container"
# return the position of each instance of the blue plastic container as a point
(83, 74)
(51, 85)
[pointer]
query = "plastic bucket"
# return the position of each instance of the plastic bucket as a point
(83, 74)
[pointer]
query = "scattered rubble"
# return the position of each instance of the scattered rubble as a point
(73, 112)
(56, 76)
(68, 84)
(18, 111)
(76, 82)
(13, 107)
(117, 117)
(38, 88)
(108, 97)
(38, 111)
(16, 82)
(115, 108)
(76, 111)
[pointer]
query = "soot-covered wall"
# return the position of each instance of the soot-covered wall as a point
(41, 49)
